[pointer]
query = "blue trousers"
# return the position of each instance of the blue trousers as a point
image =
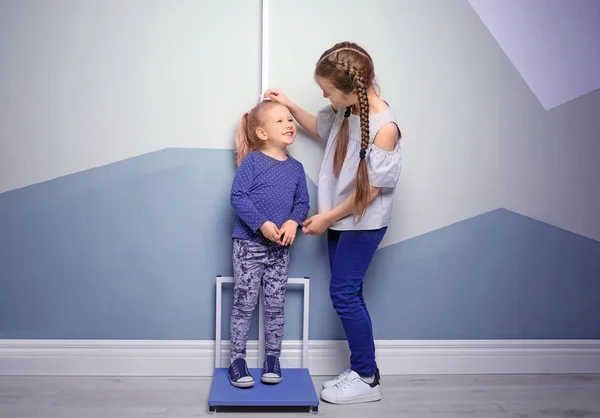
(350, 253)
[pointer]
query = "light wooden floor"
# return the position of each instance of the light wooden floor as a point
(548, 396)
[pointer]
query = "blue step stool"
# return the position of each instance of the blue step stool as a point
(296, 388)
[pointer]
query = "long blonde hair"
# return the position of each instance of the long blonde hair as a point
(349, 68)
(246, 139)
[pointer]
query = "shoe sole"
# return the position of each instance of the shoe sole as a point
(362, 399)
(242, 385)
(270, 380)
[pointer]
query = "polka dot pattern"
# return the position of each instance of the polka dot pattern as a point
(266, 189)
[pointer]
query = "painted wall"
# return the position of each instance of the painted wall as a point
(549, 138)
(116, 129)
(85, 84)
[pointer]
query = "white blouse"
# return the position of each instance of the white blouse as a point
(383, 167)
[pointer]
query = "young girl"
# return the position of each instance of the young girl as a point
(270, 198)
(357, 181)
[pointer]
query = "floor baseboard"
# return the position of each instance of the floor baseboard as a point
(326, 357)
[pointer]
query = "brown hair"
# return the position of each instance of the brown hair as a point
(349, 68)
(246, 139)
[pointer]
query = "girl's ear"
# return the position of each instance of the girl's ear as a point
(261, 134)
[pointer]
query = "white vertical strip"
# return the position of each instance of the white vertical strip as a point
(261, 328)
(305, 313)
(264, 80)
(219, 285)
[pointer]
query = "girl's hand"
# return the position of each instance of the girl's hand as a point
(289, 229)
(316, 224)
(277, 96)
(270, 231)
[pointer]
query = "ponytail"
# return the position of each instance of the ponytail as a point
(242, 141)
(246, 140)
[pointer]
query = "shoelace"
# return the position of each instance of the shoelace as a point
(276, 367)
(343, 375)
(345, 383)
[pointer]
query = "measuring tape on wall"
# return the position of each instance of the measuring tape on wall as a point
(264, 49)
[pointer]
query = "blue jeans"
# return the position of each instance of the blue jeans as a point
(350, 253)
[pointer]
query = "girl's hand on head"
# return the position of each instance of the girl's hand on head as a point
(277, 96)
(271, 232)
(289, 229)
(316, 224)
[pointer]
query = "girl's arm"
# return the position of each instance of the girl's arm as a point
(317, 224)
(300, 210)
(304, 119)
(345, 208)
(240, 199)
(301, 200)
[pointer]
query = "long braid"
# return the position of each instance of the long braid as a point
(361, 197)
(344, 132)
(363, 106)
(350, 70)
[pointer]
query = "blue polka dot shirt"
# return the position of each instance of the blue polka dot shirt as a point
(266, 189)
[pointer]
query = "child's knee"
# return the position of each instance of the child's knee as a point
(343, 299)
(275, 301)
(274, 309)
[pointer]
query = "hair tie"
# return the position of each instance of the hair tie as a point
(363, 152)
(347, 112)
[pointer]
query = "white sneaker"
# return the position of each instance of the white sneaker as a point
(333, 382)
(353, 390)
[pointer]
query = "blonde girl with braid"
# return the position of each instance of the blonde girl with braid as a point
(357, 183)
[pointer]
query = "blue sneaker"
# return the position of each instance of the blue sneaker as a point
(239, 375)
(271, 370)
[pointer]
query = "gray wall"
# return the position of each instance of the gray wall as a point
(116, 129)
